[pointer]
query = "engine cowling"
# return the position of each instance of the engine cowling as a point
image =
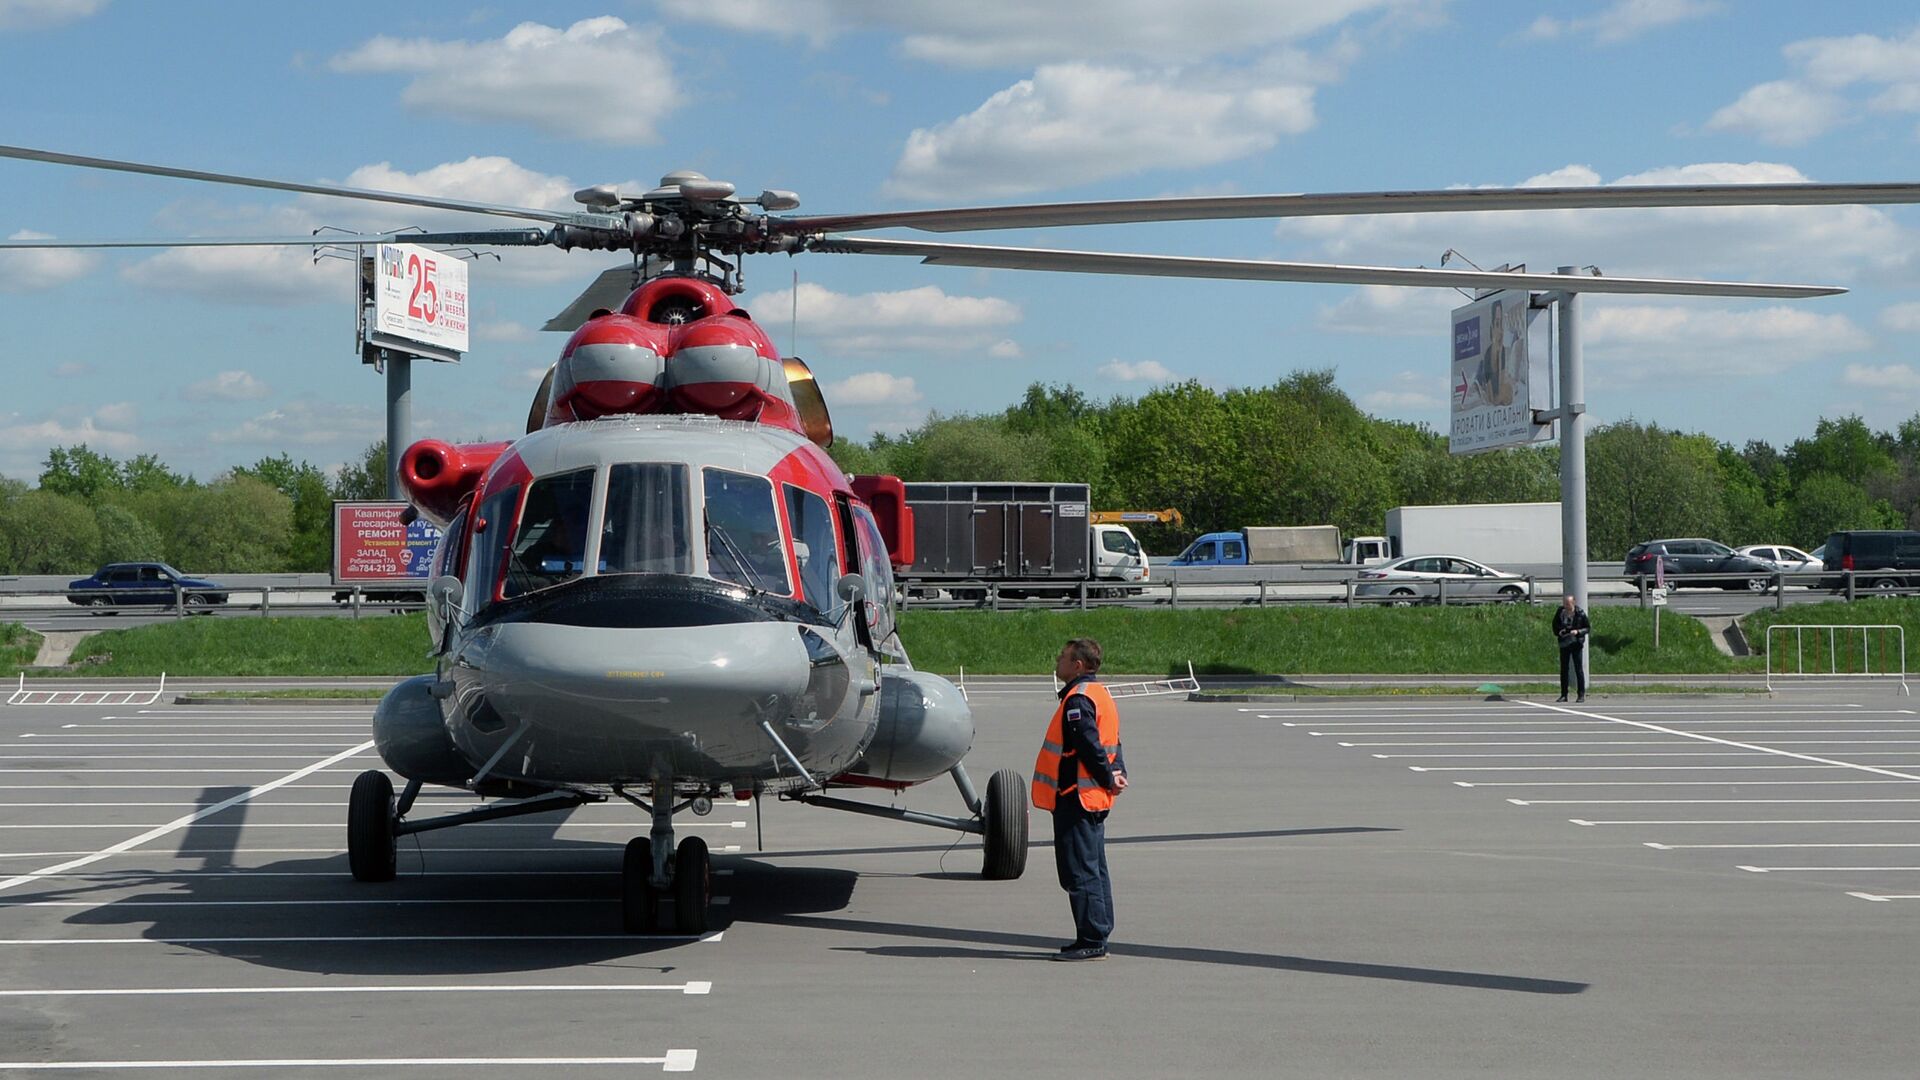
(924, 729)
(412, 738)
(437, 475)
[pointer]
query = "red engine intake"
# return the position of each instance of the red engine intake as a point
(437, 475)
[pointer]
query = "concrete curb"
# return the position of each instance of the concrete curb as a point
(192, 699)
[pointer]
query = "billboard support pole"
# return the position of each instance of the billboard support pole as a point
(399, 416)
(1573, 455)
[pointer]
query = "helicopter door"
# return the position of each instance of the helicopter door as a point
(817, 550)
(878, 571)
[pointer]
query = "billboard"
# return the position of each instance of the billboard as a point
(1496, 382)
(419, 297)
(371, 543)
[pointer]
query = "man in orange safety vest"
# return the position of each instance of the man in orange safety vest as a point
(1079, 771)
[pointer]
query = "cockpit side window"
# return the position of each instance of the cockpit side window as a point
(743, 532)
(491, 543)
(550, 545)
(647, 529)
(878, 571)
(816, 549)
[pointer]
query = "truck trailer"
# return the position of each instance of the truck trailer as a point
(1495, 533)
(1034, 534)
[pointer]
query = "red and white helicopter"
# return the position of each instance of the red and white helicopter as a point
(667, 592)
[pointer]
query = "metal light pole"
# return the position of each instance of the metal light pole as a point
(399, 416)
(1573, 449)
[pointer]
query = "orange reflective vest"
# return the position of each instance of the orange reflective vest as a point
(1046, 767)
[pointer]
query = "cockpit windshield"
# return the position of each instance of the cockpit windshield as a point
(550, 545)
(743, 532)
(648, 528)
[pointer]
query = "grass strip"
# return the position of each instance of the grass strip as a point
(18, 646)
(387, 645)
(1492, 638)
(312, 693)
(1298, 640)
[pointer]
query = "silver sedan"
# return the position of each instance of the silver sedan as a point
(1418, 577)
(1790, 560)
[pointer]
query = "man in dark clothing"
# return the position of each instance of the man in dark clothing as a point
(1079, 832)
(1570, 625)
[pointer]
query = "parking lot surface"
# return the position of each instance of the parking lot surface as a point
(1635, 887)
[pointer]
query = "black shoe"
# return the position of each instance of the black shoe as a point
(1084, 952)
(1076, 943)
(1581, 700)
(1562, 697)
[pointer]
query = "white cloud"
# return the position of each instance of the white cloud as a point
(924, 319)
(1624, 20)
(598, 79)
(1004, 33)
(1891, 378)
(1835, 79)
(1666, 344)
(276, 277)
(310, 423)
(30, 269)
(1141, 371)
(1384, 309)
(24, 441)
(227, 386)
(1788, 243)
(34, 14)
(503, 331)
(873, 388)
(1409, 395)
(1782, 113)
(1005, 349)
(1904, 318)
(1077, 123)
(73, 369)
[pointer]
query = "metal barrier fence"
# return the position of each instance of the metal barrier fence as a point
(268, 600)
(1840, 665)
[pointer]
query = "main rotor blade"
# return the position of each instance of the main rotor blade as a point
(363, 194)
(1449, 200)
(479, 238)
(1098, 262)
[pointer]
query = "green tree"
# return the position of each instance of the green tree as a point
(309, 545)
(365, 478)
(1644, 482)
(45, 532)
(1822, 503)
(80, 472)
(126, 537)
(1845, 448)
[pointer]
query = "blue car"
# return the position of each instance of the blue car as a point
(143, 583)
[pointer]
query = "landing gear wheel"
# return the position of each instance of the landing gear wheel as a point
(370, 838)
(1003, 813)
(692, 886)
(639, 901)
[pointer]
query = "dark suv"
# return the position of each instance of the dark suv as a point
(1693, 556)
(1867, 550)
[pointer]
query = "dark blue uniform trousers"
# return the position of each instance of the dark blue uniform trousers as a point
(1080, 854)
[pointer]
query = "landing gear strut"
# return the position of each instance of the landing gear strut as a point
(376, 820)
(654, 868)
(1000, 819)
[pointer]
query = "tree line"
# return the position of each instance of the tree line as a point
(1298, 452)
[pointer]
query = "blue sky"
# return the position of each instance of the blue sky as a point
(211, 359)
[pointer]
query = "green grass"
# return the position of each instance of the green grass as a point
(1840, 650)
(18, 646)
(1485, 639)
(388, 645)
(1488, 638)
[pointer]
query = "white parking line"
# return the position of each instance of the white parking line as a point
(674, 1061)
(601, 846)
(332, 740)
(1816, 869)
(1630, 768)
(1738, 847)
(1885, 896)
(1590, 731)
(201, 824)
(1606, 754)
(182, 822)
(1728, 742)
(97, 904)
(358, 939)
(1678, 802)
(1761, 821)
(1667, 783)
(1652, 739)
(690, 988)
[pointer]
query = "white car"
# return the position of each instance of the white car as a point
(1790, 560)
(1418, 577)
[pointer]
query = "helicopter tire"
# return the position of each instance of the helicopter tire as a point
(1004, 819)
(639, 901)
(370, 837)
(692, 886)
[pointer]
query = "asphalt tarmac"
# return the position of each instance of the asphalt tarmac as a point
(1696, 887)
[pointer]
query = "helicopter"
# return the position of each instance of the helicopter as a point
(666, 592)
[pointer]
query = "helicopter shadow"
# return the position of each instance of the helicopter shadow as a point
(458, 905)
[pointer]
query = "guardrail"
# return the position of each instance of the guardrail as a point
(1837, 667)
(268, 600)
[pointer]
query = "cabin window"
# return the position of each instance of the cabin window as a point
(1119, 543)
(647, 528)
(743, 532)
(447, 554)
(495, 522)
(878, 571)
(550, 545)
(816, 549)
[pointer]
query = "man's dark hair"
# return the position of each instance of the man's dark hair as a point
(1086, 650)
